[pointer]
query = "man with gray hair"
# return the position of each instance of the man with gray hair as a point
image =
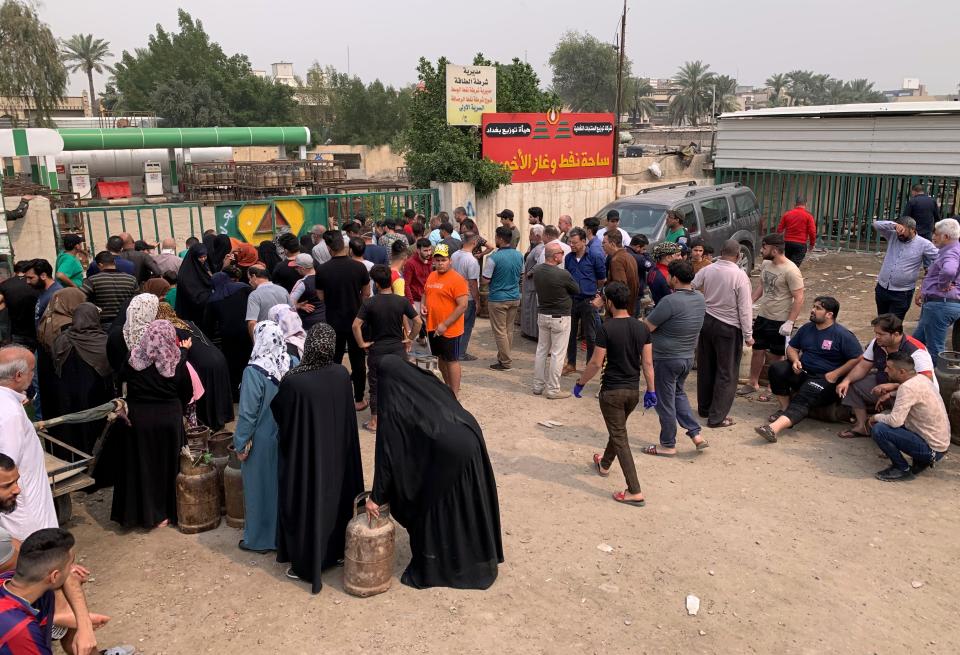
(727, 326)
(565, 224)
(939, 293)
(321, 253)
(555, 289)
(551, 234)
(19, 441)
(168, 260)
(906, 253)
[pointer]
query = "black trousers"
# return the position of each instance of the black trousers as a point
(358, 369)
(718, 366)
(892, 302)
(795, 252)
(807, 390)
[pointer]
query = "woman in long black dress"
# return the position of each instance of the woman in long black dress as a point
(218, 247)
(215, 406)
(83, 376)
(56, 318)
(433, 469)
(194, 284)
(268, 254)
(320, 470)
(225, 323)
(158, 391)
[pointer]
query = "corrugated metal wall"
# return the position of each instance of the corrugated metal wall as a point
(920, 145)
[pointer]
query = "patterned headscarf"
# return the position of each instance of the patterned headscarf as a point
(290, 324)
(269, 350)
(166, 313)
(277, 237)
(319, 349)
(142, 310)
(157, 346)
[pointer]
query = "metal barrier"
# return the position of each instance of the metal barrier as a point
(844, 205)
(148, 222)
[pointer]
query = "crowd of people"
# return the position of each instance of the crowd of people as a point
(225, 330)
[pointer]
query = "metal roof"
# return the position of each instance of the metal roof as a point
(855, 110)
(674, 193)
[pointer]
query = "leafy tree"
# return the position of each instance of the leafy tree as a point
(585, 72)
(777, 84)
(861, 90)
(189, 105)
(439, 152)
(639, 99)
(695, 96)
(82, 52)
(30, 63)
(313, 97)
(724, 94)
(805, 88)
(190, 57)
(366, 114)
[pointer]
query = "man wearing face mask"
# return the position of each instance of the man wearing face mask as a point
(907, 251)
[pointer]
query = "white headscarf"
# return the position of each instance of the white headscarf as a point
(290, 324)
(140, 313)
(269, 350)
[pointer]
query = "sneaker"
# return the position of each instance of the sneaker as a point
(893, 474)
(557, 395)
(290, 574)
(468, 358)
(500, 367)
(920, 466)
(538, 392)
(119, 650)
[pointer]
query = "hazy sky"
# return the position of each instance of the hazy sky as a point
(882, 40)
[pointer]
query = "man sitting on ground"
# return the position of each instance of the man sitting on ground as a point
(917, 425)
(819, 355)
(862, 388)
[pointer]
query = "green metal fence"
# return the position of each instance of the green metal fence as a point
(844, 205)
(148, 222)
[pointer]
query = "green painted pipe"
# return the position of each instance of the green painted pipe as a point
(187, 137)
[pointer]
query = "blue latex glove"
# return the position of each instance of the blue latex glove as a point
(649, 399)
(577, 390)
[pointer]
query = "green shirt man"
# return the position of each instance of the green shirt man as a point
(69, 271)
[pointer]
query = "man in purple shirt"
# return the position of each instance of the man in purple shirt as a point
(939, 294)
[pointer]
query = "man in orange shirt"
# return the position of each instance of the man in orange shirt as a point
(445, 298)
(798, 228)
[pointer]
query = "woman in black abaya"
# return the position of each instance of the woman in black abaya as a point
(225, 323)
(433, 469)
(194, 284)
(218, 247)
(320, 471)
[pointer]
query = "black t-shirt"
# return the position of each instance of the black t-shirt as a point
(623, 339)
(21, 301)
(342, 280)
(382, 316)
(285, 274)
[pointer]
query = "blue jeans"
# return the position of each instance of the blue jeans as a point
(469, 319)
(584, 316)
(935, 319)
(669, 376)
(896, 441)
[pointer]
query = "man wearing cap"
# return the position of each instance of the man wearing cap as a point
(613, 222)
(110, 290)
(906, 253)
(304, 296)
(798, 228)
(445, 298)
(506, 220)
(68, 267)
(657, 279)
(502, 271)
(167, 259)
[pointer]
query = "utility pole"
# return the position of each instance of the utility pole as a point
(616, 117)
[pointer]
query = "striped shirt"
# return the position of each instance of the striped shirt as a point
(110, 291)
(24, 629)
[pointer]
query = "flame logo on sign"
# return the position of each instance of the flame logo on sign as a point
(553, 116)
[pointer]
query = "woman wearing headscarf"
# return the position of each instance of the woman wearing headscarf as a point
(157, 286)
(158, 391)
(433, 469)
(255, 436)
(224, 321)
(194, 284)
(128, 327)
(320, 472)
(218, 247)
(55, 319)
(292, 327)
(246, 256)
(268, 254)
(215, 406)
(83, 376)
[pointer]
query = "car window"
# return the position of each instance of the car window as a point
(744, 203)
(716, 213)
(639, 219)
(689, 214)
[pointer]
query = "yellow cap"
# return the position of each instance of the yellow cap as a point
(441, 250)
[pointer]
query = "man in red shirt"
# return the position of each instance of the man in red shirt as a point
(798, 228)
(415, 273)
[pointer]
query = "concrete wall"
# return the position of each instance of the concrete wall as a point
(255, 153)
(378, 162)
(673, 136)
(32, 236)
(635, 176)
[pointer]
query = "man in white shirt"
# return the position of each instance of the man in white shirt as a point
(613, 222)
(321, 253)
(551, 233)
(19, 441)
(168, 260)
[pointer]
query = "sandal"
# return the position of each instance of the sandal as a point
(767, 433)
(747, 390)
(366, 426)
(725, 423)
(596, 460)
(773, 417)
(360, 406)
(765, 397)
(620, 497)
(652, 450)
(702, 445)
(851, 434)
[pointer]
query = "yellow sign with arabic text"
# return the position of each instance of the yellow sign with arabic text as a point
(471, 92)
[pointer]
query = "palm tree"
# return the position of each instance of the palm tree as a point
(861, 90)
(725, 88)
(640, 98)
(82, 52)
(692, 102)
(777, 84)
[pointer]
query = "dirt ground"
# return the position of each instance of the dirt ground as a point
(791, 547)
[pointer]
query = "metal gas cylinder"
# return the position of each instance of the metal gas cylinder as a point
(219, 449)
(233, 491)
(370, 551)
(198, 501)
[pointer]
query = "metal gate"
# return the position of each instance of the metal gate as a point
(844, 205)
(148, 222)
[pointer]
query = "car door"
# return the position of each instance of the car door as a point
(691, 219)
(717, 221)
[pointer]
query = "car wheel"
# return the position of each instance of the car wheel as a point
(745, 260)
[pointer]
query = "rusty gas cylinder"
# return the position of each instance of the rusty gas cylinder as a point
(219, 444)
(198, 501)
(197, 438)
(370, 551)
(233, 490)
